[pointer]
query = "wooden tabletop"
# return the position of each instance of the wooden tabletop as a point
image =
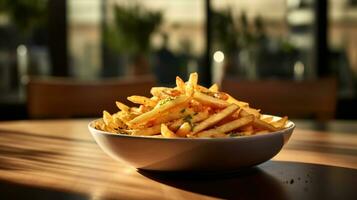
(58, 159)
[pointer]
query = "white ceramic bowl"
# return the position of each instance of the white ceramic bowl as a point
(187, 154)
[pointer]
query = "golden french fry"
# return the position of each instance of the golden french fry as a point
(221, 95)
(163, 92)
(139, 110)
(122, 106)
(126, 116)
(154, 98)
(235, 101)
(209, 100)
(247, 128)
(230, 126)
(267, 119)
(264, 125)
(116, 120)
(200, 116)
(135, 110)
(203, 89)
(252, 111)
(148, 131)
(261, 132)
(142, 100)
(193, 118)
(189, 90)
(280, 123)
(193, 79)
(164, 106)
(215, 118)
(173, 114)
(213, 88)
(244, 111)
(184, 129)
(99, 124)
(158, 91)
(166, 132)
(191, 84)
(175, 125)
(110, 125)
(180, 84)
(107, 117)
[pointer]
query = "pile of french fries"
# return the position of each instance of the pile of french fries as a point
(188, 110)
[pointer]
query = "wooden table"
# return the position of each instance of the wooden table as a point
(59, 160)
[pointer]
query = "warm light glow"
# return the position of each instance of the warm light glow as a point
(22, 50)
(218, 56)
(293, 3)
(299, 69)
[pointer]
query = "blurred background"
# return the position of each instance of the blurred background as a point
(73, 58)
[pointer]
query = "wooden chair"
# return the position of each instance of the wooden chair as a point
(310, 98)
(65, 97)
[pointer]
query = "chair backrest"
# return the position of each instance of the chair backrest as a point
(310, 98)
(65, 97)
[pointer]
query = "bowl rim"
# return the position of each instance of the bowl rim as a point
(290, 127)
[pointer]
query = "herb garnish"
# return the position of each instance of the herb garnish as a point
(187, 118)
(162, 102)
(192, 126)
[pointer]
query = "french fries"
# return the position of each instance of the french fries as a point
(235, 101)
(213, 88)
(180, 84)
(209, 100)
(163, 106)
(230, 126)
(268, 119)
(280, 123)
(184, 129)
(154, 130)
(166, 132)
(142, 100)
(215, 118)
(188, 110)
(264, 125)
(122, 106)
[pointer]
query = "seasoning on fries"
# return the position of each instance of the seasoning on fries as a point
(188, 110)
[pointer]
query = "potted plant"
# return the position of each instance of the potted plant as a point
(26, 15)
(130, 35)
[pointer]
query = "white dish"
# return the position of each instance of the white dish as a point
(187, 154)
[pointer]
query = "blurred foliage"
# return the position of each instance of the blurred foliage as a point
(224, 30)
(132, 28)
(230, 35)
(25, 14)
(233, 34)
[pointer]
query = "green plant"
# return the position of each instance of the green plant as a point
(132, 29)
(25, 14)
(224, 31)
